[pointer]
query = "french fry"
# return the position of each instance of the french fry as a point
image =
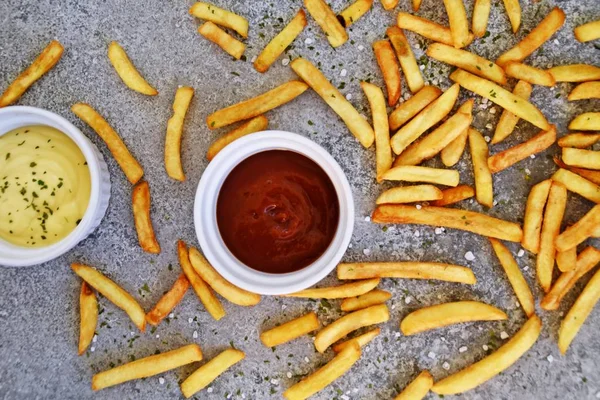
(579, 231)
(408, 62)
(409, 194)
(566, 260)
(354, 11)
(112, 292)
(290, 330)
(428, 29)
(229, 291)
(348, 323)
(255, 124)
(389, 4)
(589, 175)
(459, 25)
(218, 36)
(540, 142)
(338, 292)
(42, 64)
(368, 299)
(481, 15)
(441, 315)
(534, 214)
(585, 90)
(508, 120)
(407, 270)
(326, 19)
(324, 376)
(505, 99)
(535, 39)
(530, 74)
(127, 71)
(416, 5)
(203, 376)
(581, 158)
(342, 107)
(450, 218)
(484, 190)
(147, 366)
(388, 64)
(140, 200)
(410, 173)
(183, 97)
(279, 43)
(452, 153)
(553, 216)
(579, 140)
(425, 119)
(577, 184)
(454, 195)
(467, 61)
(587, 32)
(411, 107)
(589, 121)
(575, 73)
(361, 340)
(490, 366)
(383, 151)
(221, 17)
(130, 166)
(257, 105)
(513, 9)
(168, 301)
(515, 277)
(88, 312)
(418, 388)
(206, 296)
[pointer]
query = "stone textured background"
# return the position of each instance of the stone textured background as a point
(39, 305)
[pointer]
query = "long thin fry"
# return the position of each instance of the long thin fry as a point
(579, 231)
(411, 107)
(361, 340)
(222, 17)
(578, 184)
(326, 19)
(354, 11)
(168, 301)
(183, 97)
(467, 61)
(412, 73)
(127, 71)
(589, 121)
(481, 15)
(207, 373)
(255, 124)
(553, 216)
(418, 388)
(368, 299)
(540, 142)
(88, 311)
(388, 64)
(383, 151)
(585, 90)
(575, 73)
(459, 25)
(410, 173)
(534, 214)
(337, 292)
(290, 330)
(428, 29)
(454, 195)
(513, 9)
(140, 200)
(409, 194)
(406, 270)
(484, 190)
(279, 43)
(228, 43)
(508, 120)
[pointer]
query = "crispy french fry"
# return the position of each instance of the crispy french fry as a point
(454, 195)
(218, 36)
(513, 9)
(505, 99)
(452, 153)
(406, 270)
(579, 140)
(210, 371)
(508, 120)
(578, 184)
(112, 292)
(168, 301)
(389, 4)
(127, 71)
(481, 15)
(342, 107)
(416, 5)
(88, 312)
(515, 277)
(324, 376)
(229, 291)
(408, 109)
(130, 166)
(388, 64)
(581, 158)
(326, 19)
(354, 11)
(418, 388)
(221, 17)
(409, 194)
(579, 231)
(348, 323)
(591, 176)
(183, 97)
(290, 330)
(566, 260)
(255, 124)
(410, 173)
(428, 29)
(441, 315)
(412, 73)
(42, 64)
(485, 369)
(279, 43)
(575, 73)
(540, 142)
(484, 190)
(530, 74)
(589, 121)
(587, 32)
(585, 90)
(360, 340)
(553, 216)
(459, 25)
(383, 151)
(338, 292)
(536, 38)
(257, 105)
(368, 299)
(450, 218)
(534, 213)
(140, 200)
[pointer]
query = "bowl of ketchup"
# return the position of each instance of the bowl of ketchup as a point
(274, 213)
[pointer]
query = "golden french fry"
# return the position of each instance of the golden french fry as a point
(290, 330)
(534, 213)
(428, 29)
(578, 184)
(416, 5)
(589, 121)
(183, 97)
(409, 194)
(218, 36)
(481, 15)
(450, 218)
(484, 190)
(508, 120)
(360, 340)
(454, 195)
(530, 74)
(279, 43)
(324, 376)
(88, 312)
(168, 301)
(388, 64)
(459, 25)
(338, 292)
(513, 9)
(342, 107)
(127, 71)
(389, 4)
(255, 124)
(412, 73)
(418, 388)
(440, 315)
(587, 32)
(467, 61)
(566, 260)
(411, 107)
(540, 142)
(452, 153)
(585, 90)
(203, 376)
(348, 323)
(130, 166)
(592, 176)
(383, 151)
(113, 292)
(581, 158)
(42, 64)
(410, 173)
(354, 11)
(406, 270)
(579, 140)
(575, 73)
(505, 99)
(536, 38)
(221, 17)
(229, 291)
(515, 277)
(553, 216)
(257, 105)
(326, 19)
(485, 369)
(368, 299)
(579, 231)
(140, 200)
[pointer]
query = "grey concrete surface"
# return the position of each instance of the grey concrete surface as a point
(39, 305)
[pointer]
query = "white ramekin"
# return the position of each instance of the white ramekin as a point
(17, 256)
(205, 215)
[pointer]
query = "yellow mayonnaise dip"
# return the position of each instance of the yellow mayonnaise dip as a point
(44, 186)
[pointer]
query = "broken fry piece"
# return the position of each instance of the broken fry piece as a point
(406, 270)
(585, 90)
(354, 11)
(411, 107)
(168, 301)
(389, 4)
(255, 124)
(534, 213)
(418, 388)
(127, 71)
(589, 121)
(183, 98)
(210, 371)
(409, 194)
(290, 330)
(279, 43)
(368, 299)
(88, 314)
(326, 19)
(337, 292)
(513, 9)
(481, 15)
(467, 61)
(383, 151)
(454, 195)
(412, 73)
(221, 17)
(140, 199)
(508, 120)
(587, 32)
(386, 59)
(540, 142)
(218, 36)
(578, 140)
(484, 190)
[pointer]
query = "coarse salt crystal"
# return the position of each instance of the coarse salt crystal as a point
(434, 82)
(431, 355)
(417, 233)
(418, 207)
(503, 335)
(350, 246)
(361, 47)
(487, 138)
(355, 390)
(556, 41)
(92, 349)
(438, 231)
(170, 316)
(532, 156)
(228, 396)
(469, 256)
(488, 126)
(289, 374)
(283, 306)
(161, 380)
(157, 336)
(462, 349)
(525, 268)
(190, 320)
(393, 306)
(344, 397)
(209, 390)
(195, 335)
(485, 347)
(397, 335)
(253, 59)
(421, 67)
(485, 100)
(366, 252)
(367, 218)
(408, 299)
(306, 360)
(308, 40)
(495, 202)
(521, 253)
(275, 381)
(343, 72)
(598, 395)
(527, 171)
(348, 96)
(285, 61)
(132, 333)
(445, 365)
(493, 110)
(550, 358)
(95, 339)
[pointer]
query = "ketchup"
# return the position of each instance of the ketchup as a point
(277, 211)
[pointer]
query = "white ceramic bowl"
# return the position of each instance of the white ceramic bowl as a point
(205, 215)
(17, 116)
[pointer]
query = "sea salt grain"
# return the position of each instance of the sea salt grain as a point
(521, 253)
(446, 366)
(503, 335)
(190, 320)
(366, 252)
(348, 97)
(417, 233)
(492, 110)
(532, 156)
(92, 349)
(344, 72)
(469, 256)
(289, 374)
(367, 218)
(209, 390)
(275, 381)
(421, 67)
(361, 47)
(438, 231)
(418, 207)
(408, 299)
(308, 41)
(170, 316)
(431, 355)
(488, 126)
(462, 349)
(95, 339)
(195, 335)
(485, 347)
(344, 397)
(487, 138)
(285, 61)
(550, 358)
(306, 360)
(161, 380)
